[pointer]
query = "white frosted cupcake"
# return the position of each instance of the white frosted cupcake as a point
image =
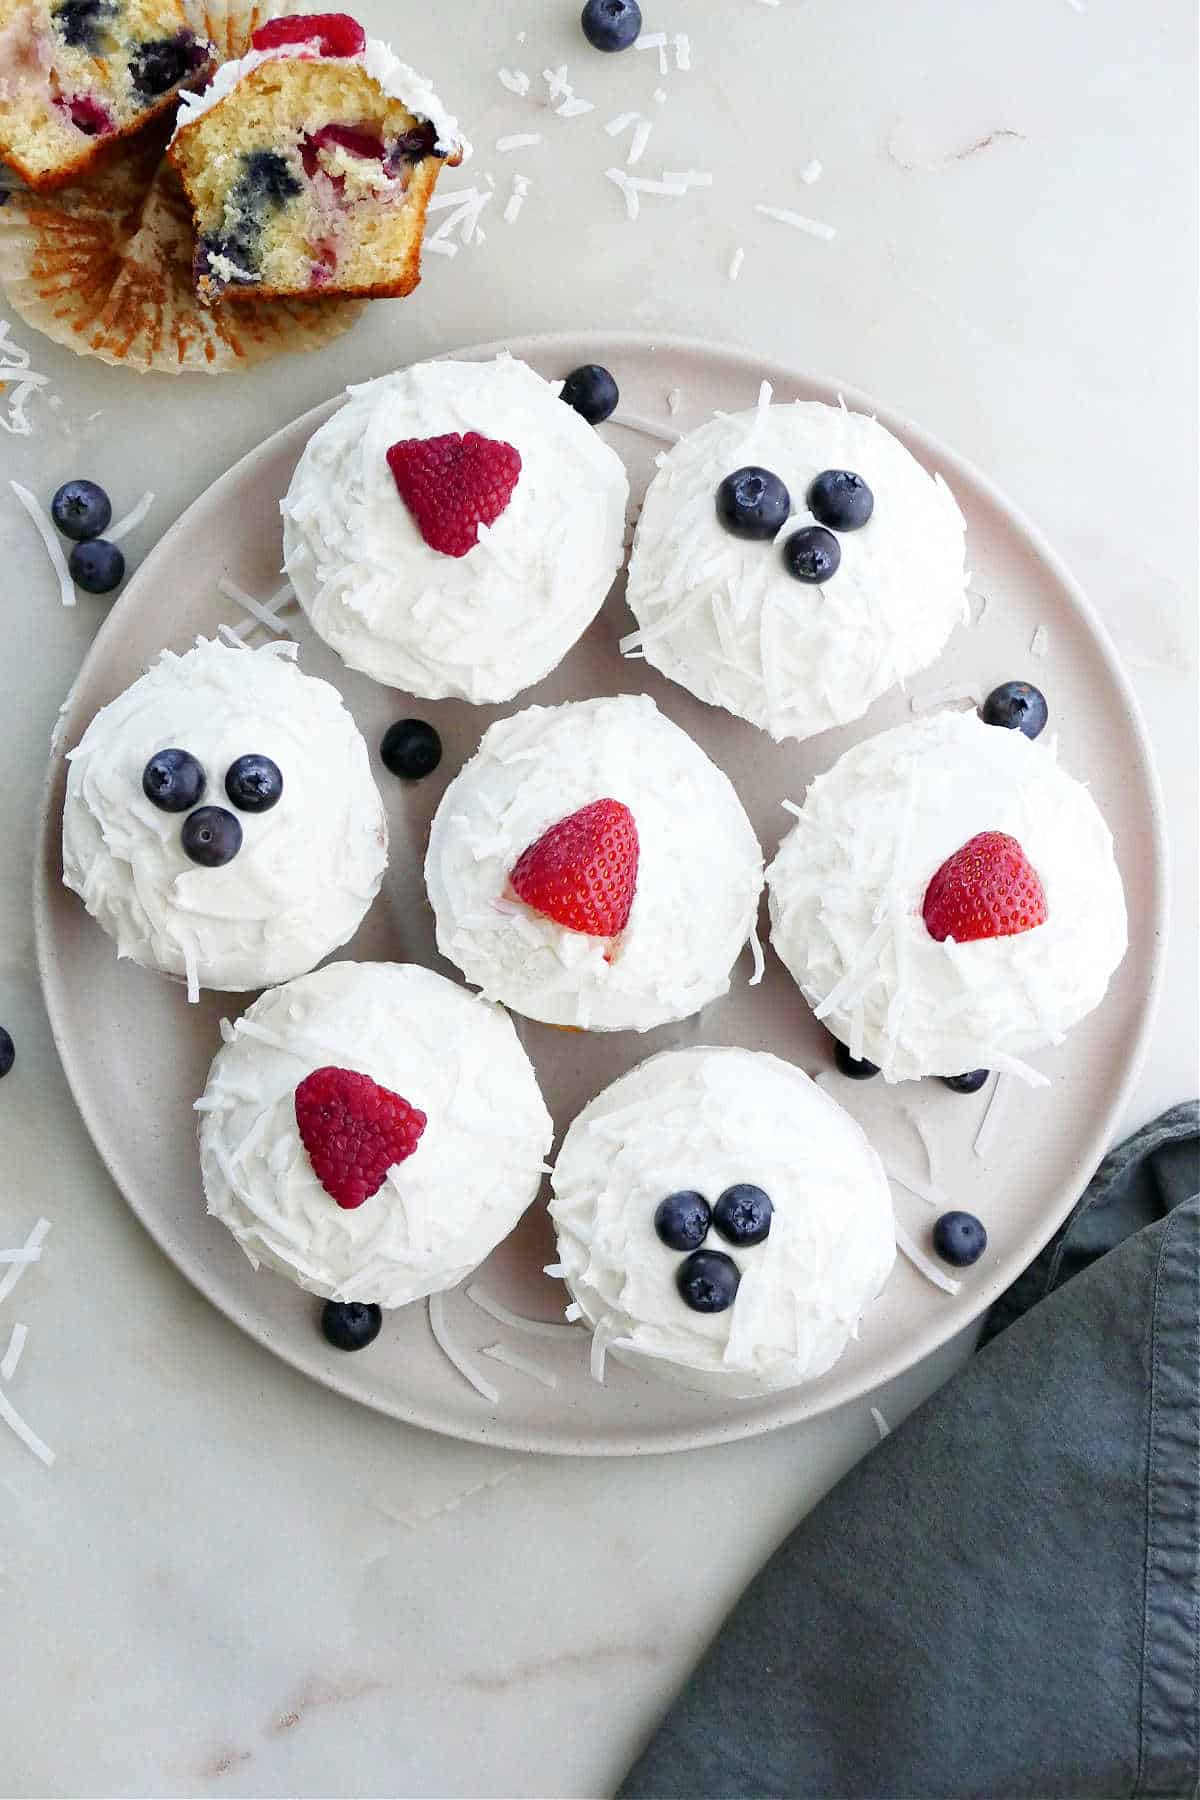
(948, 898)
(591, 867)
(454, 528)
(221, 822)
(794, 562)
(721, 1221)
(461, 1109)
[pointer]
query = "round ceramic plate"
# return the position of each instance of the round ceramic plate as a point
(1021, 1175)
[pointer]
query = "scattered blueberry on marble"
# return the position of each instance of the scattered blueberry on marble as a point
(8, 1052)
(753, 503)
(410, 749)
(254, 783)
(81, 509)
(1018, 706)
(743, 1214)
(708, 1281)
(812, 554)
(211, 836)
(682, 1220)
(350, 1324)
(591, 392)
(96, 566)
(968, 1083)
(959, 1238)
(840, 499)
(173, 780)
(855, 1068)
(611, 24)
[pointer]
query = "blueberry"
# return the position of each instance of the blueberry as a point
(959, 1238)
(682, 1220)
(267, 180)
(254, 783)
(410, 749)
(970, 1083)
(81, 510)
(1017, 705)
(415, 145)
(812, 554)
(211, 836)
(708, 1280)
(611, 24)
(855, 1068)
(840, 499)
(592, 392)
(161, 63)
(173, 780)
(96, 566)
(81, 23)
(743, 1214)
(753, 503)
(349, 1324)
(8, 1052)
(241, 246)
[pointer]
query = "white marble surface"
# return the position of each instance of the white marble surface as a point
(231, 1582)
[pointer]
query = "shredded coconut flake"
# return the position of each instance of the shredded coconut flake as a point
(946, 696)
(881, 1424)
(811, 172)
(660, 96)
(621, 122)
(683, 51)
(653, 428)
(923, 1190)
(260, 612)
(131, 521)
(19, 391)
(735, 263)
(651, 40)
(27, 1435)
(450, 1350)
(990, 1122)
(515, 80)
(542, 1328)
(927, 1144)
(638, 142)
(924, 1264)
(602, 1336)
(798, 221)
(673, 400)
(518, 140)
(58, 561)
(573, 1313)
(1039, 643)
(760, 962)
(1012, 1065)
(32, 1243)
(12, 1356)
(524, 1365)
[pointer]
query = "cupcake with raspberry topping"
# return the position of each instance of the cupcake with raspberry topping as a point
(372, 1131)
(948, 899)
(454, 528)
(309, 163)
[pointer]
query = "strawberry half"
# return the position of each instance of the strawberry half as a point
(353, 1131)
(582, 873)
(453, 484)
(988, 889)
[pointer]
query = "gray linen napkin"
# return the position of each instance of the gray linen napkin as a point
(1004, 1598)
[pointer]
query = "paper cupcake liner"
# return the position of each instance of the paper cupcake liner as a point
(105, 267)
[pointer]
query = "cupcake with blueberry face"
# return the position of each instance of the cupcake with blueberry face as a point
(591, 867)
(221, 822)
(721, 1221)
(371, 1131)
(454, 528)
(948, 900)
(793, 563)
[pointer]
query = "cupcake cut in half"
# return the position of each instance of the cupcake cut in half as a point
(309, 163)
(77, 75)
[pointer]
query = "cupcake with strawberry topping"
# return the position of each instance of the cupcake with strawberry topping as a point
(309, 163)
(454, 528)
(948, 899)
(372, 1131)
(591, 867)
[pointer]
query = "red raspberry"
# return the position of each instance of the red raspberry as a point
(336, 34)
(354, 1131)
(988, 889)
(453, 484)
(582, 873)
(86, 114)
(345, 137)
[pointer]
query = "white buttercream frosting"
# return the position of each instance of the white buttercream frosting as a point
(440, 1212)
(705, 1119)
(477, 627)
(722, 616)
(848, 886)
(307, 870)
(398, 81)
(698, 882)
